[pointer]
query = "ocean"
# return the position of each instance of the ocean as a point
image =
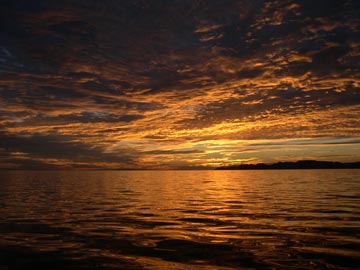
(286, 219)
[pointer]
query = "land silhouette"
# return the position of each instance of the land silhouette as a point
(301, 164)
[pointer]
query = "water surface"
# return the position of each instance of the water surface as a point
(306, 219)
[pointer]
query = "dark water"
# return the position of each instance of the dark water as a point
(308, 219)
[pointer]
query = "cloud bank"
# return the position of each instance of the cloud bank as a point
(177, 84)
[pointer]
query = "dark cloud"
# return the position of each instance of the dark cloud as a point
(85, 117)
(30, 164)
(150, 73)
(337, 141)
(174, 152)
(56, 147)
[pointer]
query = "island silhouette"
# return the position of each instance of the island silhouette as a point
(300, 164)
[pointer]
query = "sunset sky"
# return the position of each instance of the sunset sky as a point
(178, 83)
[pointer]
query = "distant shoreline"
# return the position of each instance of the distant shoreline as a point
(298, 165)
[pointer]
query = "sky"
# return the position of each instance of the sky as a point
(174, 84)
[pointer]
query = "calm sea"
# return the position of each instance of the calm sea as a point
(306, 219)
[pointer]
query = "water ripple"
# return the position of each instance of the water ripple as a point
(180, 220)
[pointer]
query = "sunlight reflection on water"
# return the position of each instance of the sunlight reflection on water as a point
(180, 219)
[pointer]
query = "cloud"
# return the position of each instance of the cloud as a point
(140, 81)
(41, 147)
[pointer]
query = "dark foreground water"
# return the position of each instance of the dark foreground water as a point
(307, 219)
